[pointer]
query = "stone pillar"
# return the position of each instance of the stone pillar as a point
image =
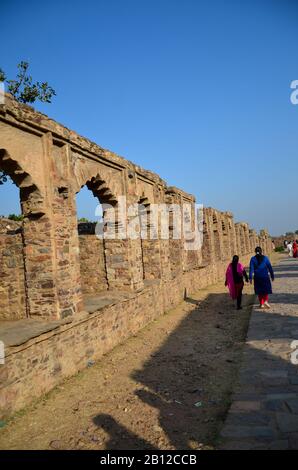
(217, 235)
(226, 255)
(208, 253)
(192, 253)
(177, 254)
(233, 238)
(39, 247)
(67, 252)
(123, 254)
(150, 244)
(238, 239)
(246, 235)
(40, 276)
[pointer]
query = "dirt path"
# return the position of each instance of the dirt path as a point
(166, 388)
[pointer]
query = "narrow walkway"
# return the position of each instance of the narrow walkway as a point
(264, 411)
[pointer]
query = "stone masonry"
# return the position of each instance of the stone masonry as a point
(67, 296)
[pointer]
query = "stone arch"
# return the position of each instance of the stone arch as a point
(117, 249)
(214, 221)
(149, 238)
(31, 197)
(144, 210)
(38, 254)
(102, 191)
(226, 245)
(208, 242)
(92, 249)
(217, 237)
(100, 187)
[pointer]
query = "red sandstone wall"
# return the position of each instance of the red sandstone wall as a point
(12, 287)
(92, 264)
(41, 363)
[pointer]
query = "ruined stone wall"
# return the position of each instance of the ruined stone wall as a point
(35, 366)
(92, 264)
(49, 269)
(12, 286)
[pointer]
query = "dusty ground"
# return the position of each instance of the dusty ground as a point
(167, 387)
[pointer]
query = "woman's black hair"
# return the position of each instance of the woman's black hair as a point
(235, 261)
(259, 254)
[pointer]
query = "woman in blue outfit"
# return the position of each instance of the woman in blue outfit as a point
(259, 270)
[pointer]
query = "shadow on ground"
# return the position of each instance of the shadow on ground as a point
(190, 378)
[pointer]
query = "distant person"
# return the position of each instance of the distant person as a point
(234, 280)
(259, 270)
(295, 249)
(290, 249)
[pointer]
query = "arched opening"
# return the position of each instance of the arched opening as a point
(12, 272)
(150, 243)
(207, 249)
(226, 241)
(233, 240)
(176, 243)
(10, 204)
(216, 236)
(93, 268)
(191, 258)
(23, 283)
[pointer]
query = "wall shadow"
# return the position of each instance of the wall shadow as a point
(120, 437)
(176, 375)
(172, 381)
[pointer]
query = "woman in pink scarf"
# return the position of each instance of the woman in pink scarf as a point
(234, 280)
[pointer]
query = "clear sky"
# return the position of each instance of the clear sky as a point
(197, 91)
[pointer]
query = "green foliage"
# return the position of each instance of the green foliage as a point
(83, 220)
(15, 217)
(24, 90)
(2, 76)
(279, 249)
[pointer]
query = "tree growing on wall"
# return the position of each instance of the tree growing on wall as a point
(24, 90)
(16, 217)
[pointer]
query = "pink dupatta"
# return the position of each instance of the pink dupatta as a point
(230, 278)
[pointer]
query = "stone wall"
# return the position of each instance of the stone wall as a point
(51, 272)
(39, 364)
(92, 261)
(12, 286)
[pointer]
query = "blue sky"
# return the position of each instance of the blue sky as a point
(197, 91)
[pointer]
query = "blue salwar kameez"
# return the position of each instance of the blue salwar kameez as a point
(260, 273)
